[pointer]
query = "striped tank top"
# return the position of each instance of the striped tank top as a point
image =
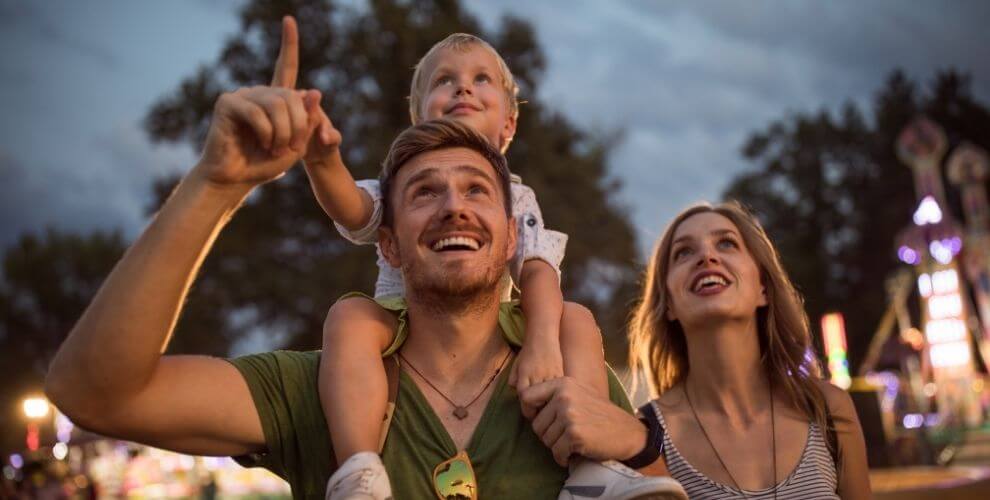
(814, 476)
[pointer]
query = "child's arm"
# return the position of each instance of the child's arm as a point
(334, 187)
(542, 304)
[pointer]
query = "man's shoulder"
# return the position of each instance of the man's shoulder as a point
(277, 361)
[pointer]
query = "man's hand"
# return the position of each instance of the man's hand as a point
(258, 133)
(573, 420)
(539, 361)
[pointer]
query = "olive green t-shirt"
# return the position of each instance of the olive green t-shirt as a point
(508, 458)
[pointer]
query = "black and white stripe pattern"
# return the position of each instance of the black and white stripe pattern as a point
(813, 478)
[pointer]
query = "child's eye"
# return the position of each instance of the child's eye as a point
(443, 80)
(483, 78)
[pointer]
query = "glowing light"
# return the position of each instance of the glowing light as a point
(928, 212)
(945, 306)
(36, 407)
(834, 333)
(930, 389)
(950, 354)
(17, 461)
(60, 450)
(63, 427)
(913, 420)
(925, 285)
(932, 419)
(978, 385)
(940, 252)
(9, 473)
(908, 255)
(946, 281)
(945, 330)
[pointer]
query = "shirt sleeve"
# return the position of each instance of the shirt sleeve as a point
(535, 241)
(283, 385)
(367, 235)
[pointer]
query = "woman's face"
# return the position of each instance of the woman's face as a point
(711, 276)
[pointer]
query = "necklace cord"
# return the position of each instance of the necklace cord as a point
(773, 439)
(444, 396)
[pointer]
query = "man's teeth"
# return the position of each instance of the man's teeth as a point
(459, 241)
(710, 280)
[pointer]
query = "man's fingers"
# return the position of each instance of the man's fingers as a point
(539, 394)
(544, 417)
(287, 64)
(277, 110)
(562, 450)
(253, 116)
(553, 433)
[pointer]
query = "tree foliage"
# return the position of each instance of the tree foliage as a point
(47, 281)
(279, 265)
(833, 195)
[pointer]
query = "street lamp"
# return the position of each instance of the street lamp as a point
(35, 408)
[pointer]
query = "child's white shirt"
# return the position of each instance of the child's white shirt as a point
(534, 240)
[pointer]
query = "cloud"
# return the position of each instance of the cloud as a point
(689, 81)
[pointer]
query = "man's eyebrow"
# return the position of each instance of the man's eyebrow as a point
(419, 176)
(471, 169)
(431, 171)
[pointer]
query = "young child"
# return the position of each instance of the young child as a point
(461, 78)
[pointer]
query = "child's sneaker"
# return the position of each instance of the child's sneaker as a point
(614, 481)
(361, 477)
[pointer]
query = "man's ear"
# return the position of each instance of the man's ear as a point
(389, 246)
(512, 240)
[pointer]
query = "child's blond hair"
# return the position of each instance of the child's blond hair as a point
(460, 42)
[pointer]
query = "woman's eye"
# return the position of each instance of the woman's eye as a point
(727, 243)
(681, 252)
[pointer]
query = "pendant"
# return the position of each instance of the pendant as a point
(460, 412)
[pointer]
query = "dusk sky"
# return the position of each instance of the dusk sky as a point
(686, 81)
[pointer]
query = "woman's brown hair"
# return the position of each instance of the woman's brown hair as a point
(658, 347)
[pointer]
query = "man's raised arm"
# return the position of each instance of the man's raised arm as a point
(109, 375)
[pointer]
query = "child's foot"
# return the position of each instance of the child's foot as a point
(614, 481)
(361, 477)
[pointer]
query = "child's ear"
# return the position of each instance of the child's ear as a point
(509, 130)
(389, 246)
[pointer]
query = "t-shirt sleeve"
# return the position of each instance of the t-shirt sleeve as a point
(535, 241)
(367, 235)
(283, 385)
(616, 392)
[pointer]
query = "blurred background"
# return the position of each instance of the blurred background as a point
(808, 112)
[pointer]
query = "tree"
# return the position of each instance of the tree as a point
(279, 265)
(47, 281)
(833, 196)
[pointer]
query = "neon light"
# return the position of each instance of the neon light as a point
(908, 255)
(946, 281)
(925, 285)
(944, 306)
(940, 252)
(928, 212)
(945, 330)
(950, 354)
(834, 334)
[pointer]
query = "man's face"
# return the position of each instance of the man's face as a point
(450, 234)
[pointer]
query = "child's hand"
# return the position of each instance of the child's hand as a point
(323, 149)
(539, 360)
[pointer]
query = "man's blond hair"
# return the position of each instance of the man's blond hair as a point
(459, 42)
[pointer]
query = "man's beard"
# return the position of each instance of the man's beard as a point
(449, 291)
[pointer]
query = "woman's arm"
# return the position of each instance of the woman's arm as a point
(854, 477)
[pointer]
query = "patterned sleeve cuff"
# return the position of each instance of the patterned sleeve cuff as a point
(367, 235)
(538, 242)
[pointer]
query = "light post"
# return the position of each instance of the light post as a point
(35, 408)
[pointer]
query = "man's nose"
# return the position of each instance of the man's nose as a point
(453, 206)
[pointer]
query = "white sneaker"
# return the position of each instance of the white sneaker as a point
(613, 481)
(361, 477)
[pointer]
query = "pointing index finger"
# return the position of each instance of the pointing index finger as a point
(287, 64)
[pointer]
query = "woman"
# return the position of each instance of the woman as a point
(753, 418)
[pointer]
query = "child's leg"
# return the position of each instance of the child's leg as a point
(353, 386)
(581, 348)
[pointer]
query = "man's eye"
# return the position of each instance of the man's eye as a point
(478, 189)
(424, 193)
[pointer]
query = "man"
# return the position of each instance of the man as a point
(450, 232)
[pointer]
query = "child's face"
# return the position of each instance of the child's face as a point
(465, 85)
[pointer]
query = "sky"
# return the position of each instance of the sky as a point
(686, 82)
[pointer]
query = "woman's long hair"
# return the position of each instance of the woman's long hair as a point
(658, 347)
